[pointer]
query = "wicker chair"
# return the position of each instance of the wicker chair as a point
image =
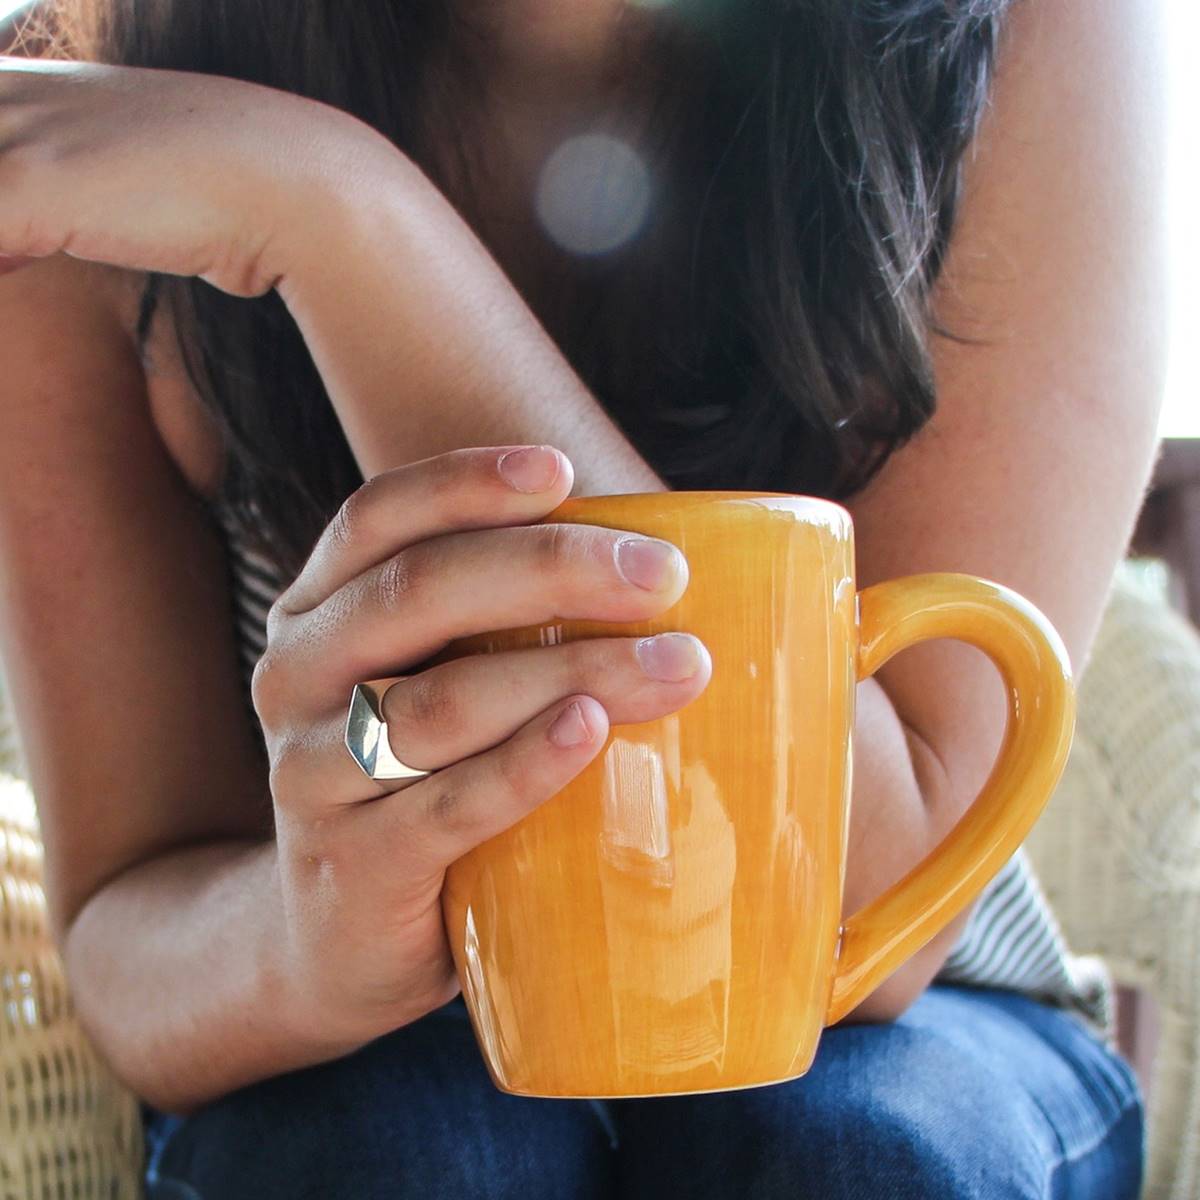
(67, 1128)
(1118, 852)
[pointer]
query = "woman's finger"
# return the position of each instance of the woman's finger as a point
(400, 613)
(466, 706)
(461, 708)
(472, 488)
(430, 824)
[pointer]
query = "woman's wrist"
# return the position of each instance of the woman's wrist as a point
(313, 1029)
(317, 1017)
(297, 1030)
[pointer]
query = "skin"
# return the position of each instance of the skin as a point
(1031, 473)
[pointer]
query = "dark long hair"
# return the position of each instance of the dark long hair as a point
(769, 329)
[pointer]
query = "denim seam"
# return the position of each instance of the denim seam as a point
(1064, 1156)
(1065, 1159)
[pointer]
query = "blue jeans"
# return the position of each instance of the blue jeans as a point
(972, 1093)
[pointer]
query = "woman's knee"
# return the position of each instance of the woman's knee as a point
(908, 1109)
(900, 1112)
(898, 1129)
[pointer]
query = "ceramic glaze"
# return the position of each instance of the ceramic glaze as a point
(671, 921)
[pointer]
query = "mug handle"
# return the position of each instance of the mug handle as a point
(1036, 671)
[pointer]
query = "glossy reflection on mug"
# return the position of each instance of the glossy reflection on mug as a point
(671, 921)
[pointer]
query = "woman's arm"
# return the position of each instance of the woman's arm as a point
(1035, 465)
(421, 339)
(114, 626)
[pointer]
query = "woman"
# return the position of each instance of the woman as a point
(827, 215)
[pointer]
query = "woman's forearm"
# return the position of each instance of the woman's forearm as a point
(423, 343)
(177, 974)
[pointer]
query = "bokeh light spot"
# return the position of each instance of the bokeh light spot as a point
(593, 193)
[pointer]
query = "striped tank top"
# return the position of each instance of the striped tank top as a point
(1011, 940)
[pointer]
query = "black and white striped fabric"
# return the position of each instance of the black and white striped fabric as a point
(1012, 939)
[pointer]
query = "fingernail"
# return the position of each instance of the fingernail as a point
(671, 657)
(646, 562)
(532, 469)
(570, 727)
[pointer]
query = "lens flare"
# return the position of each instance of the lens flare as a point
(593, 193)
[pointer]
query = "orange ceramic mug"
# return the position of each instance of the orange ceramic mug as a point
(671, 921)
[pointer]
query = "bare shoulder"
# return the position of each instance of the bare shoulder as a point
(60, 307)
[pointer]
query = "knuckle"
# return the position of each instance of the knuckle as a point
(513, 781)
(558, 548)
(449, 477)
(600, 656)
(397, 581)
(351, 516)
(277, 616)
(267, 687)
(427, 703)
(289, 764)
(283, 775)
(594, 664)
(297, 768)
(446, 808)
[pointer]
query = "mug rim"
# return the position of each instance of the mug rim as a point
(687, 497)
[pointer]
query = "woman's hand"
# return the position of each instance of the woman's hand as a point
(170, 171)
(437, 550)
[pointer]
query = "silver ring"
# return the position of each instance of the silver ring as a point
(367, 734)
